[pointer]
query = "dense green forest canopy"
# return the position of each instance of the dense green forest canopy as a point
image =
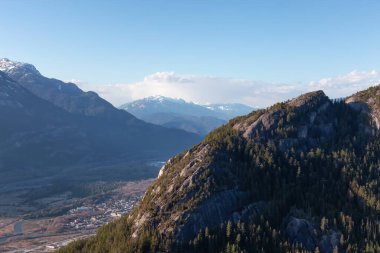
(314, 170)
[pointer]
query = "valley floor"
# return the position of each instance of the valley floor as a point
(43, 223)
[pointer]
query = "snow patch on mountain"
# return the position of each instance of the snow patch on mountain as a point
(9, 66)
(161, 104)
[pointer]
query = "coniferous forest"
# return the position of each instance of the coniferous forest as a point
(311, 193)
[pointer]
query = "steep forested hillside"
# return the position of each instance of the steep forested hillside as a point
(300, 176)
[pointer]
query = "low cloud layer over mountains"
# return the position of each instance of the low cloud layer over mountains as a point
(212, 89)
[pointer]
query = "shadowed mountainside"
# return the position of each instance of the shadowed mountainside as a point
(49, 125)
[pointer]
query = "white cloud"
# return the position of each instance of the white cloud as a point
(198, 89)
(210, 89)
(345, 85)
(77, 82)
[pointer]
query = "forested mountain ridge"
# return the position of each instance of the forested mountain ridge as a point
(367, 101)
(300, 176)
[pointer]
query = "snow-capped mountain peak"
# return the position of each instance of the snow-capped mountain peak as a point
(162, 99)
(219, 107)
(9, 66)
(158, 98)
(188, 116)
(160, 104)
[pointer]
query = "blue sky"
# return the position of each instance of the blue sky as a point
(106, 43)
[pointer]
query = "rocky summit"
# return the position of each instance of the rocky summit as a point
(300, 176)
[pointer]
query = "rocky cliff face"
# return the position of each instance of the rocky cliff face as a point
(198, 189)
(303, 170)
(367, 102)
(313, 125)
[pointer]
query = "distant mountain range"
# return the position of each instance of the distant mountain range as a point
(48, 125)
(188, 116)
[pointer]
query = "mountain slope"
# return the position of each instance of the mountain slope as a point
(299, 176)
(159, 104)
(177, 113)
(229, 111)
(51, 125)
(65, 95)
(194, 124)
(35, 133)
